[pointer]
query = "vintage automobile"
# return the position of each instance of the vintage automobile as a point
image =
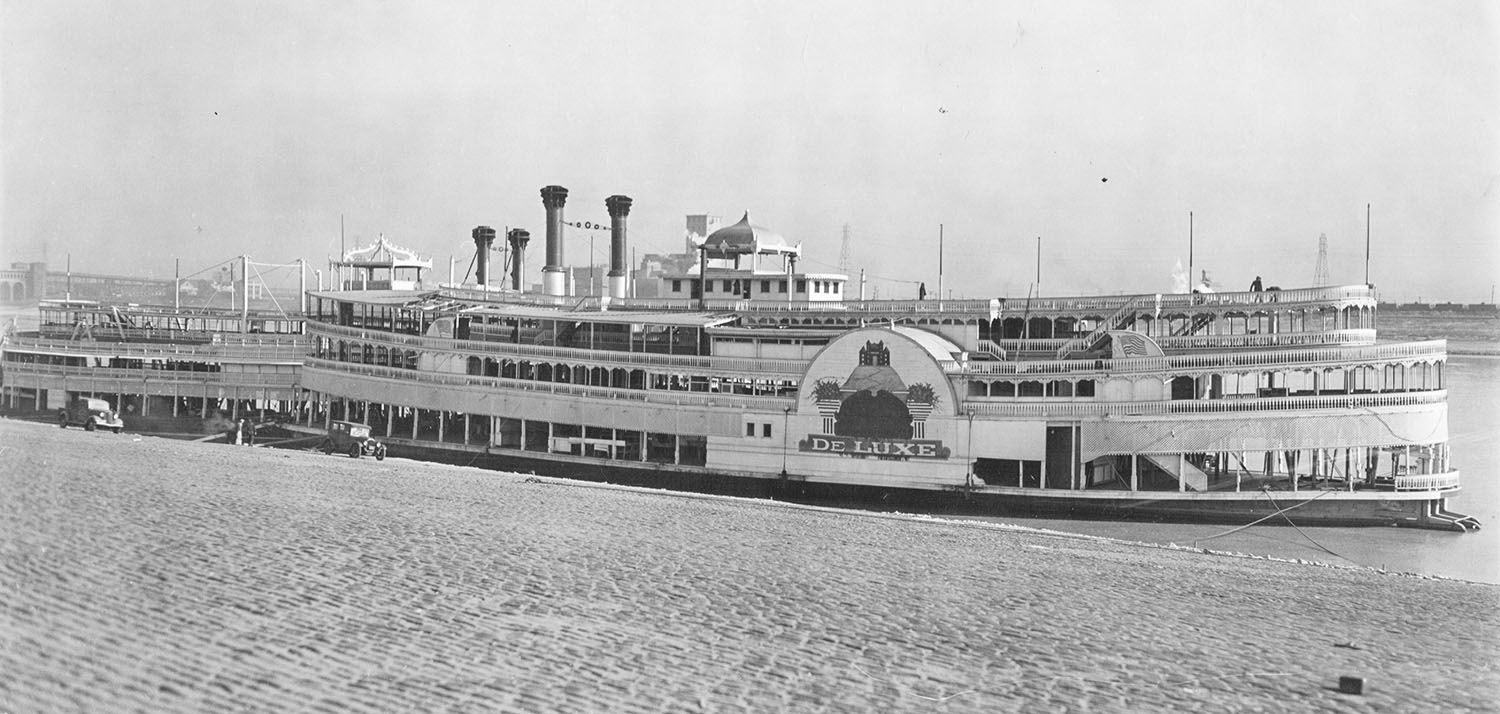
(352, 438)
(91, 414)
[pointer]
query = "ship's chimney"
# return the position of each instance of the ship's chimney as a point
(484, 238)
(554, 279)
(518, 238)
(619, 208)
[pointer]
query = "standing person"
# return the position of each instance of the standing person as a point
(1255, 285)
(922, 291)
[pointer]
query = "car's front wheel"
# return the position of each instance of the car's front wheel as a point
(115, 429)
(380, 453)
(62, 421)
(89, 425)
(354, 451)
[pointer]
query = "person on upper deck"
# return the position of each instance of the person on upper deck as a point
(1255, 285)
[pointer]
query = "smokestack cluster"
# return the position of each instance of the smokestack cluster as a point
(484, 239)
(619, 208)
(554, 278)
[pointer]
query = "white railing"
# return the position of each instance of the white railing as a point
(1427, 482)
(239, 348)
(1314, 357)
(1275, 339)
(1062, 408)
(980, 306)
(21, 370)
(990, 348)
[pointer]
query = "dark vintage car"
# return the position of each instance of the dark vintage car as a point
(90, 414)
(352, 438)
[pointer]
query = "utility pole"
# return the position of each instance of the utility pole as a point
(846, 252)
(1320, 274)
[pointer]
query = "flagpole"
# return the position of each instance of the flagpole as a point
(1367, 244)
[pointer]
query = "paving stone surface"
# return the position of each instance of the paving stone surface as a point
(145, 575)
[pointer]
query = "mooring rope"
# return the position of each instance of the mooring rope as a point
(1281, 512)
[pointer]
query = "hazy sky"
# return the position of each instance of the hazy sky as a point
(139, 132)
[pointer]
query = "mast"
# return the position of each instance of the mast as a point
(1038, 266)
(1367, 244)
(940, 262)
(1190, 252)
(244, 293)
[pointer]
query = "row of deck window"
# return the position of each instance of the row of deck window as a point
(1369, 379)
(563, 373)
(102, 362)
(746, 287)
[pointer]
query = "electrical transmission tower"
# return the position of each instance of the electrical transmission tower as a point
(1320, 274)
(846, 253)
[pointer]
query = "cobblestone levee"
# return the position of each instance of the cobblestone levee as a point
(142, 574)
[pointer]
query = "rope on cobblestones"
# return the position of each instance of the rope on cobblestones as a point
(899, 688)
(1281, 512)
(1289, 522)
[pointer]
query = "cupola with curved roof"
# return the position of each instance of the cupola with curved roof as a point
(746, 238)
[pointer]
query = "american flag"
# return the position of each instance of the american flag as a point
(1133, 344)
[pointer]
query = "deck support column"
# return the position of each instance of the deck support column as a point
(1134, 481)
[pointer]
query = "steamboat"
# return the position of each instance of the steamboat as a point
(740, 373)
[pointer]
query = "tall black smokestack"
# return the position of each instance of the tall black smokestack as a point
(554, 280)
(619, 208)
(518, 238)
(484, 238)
